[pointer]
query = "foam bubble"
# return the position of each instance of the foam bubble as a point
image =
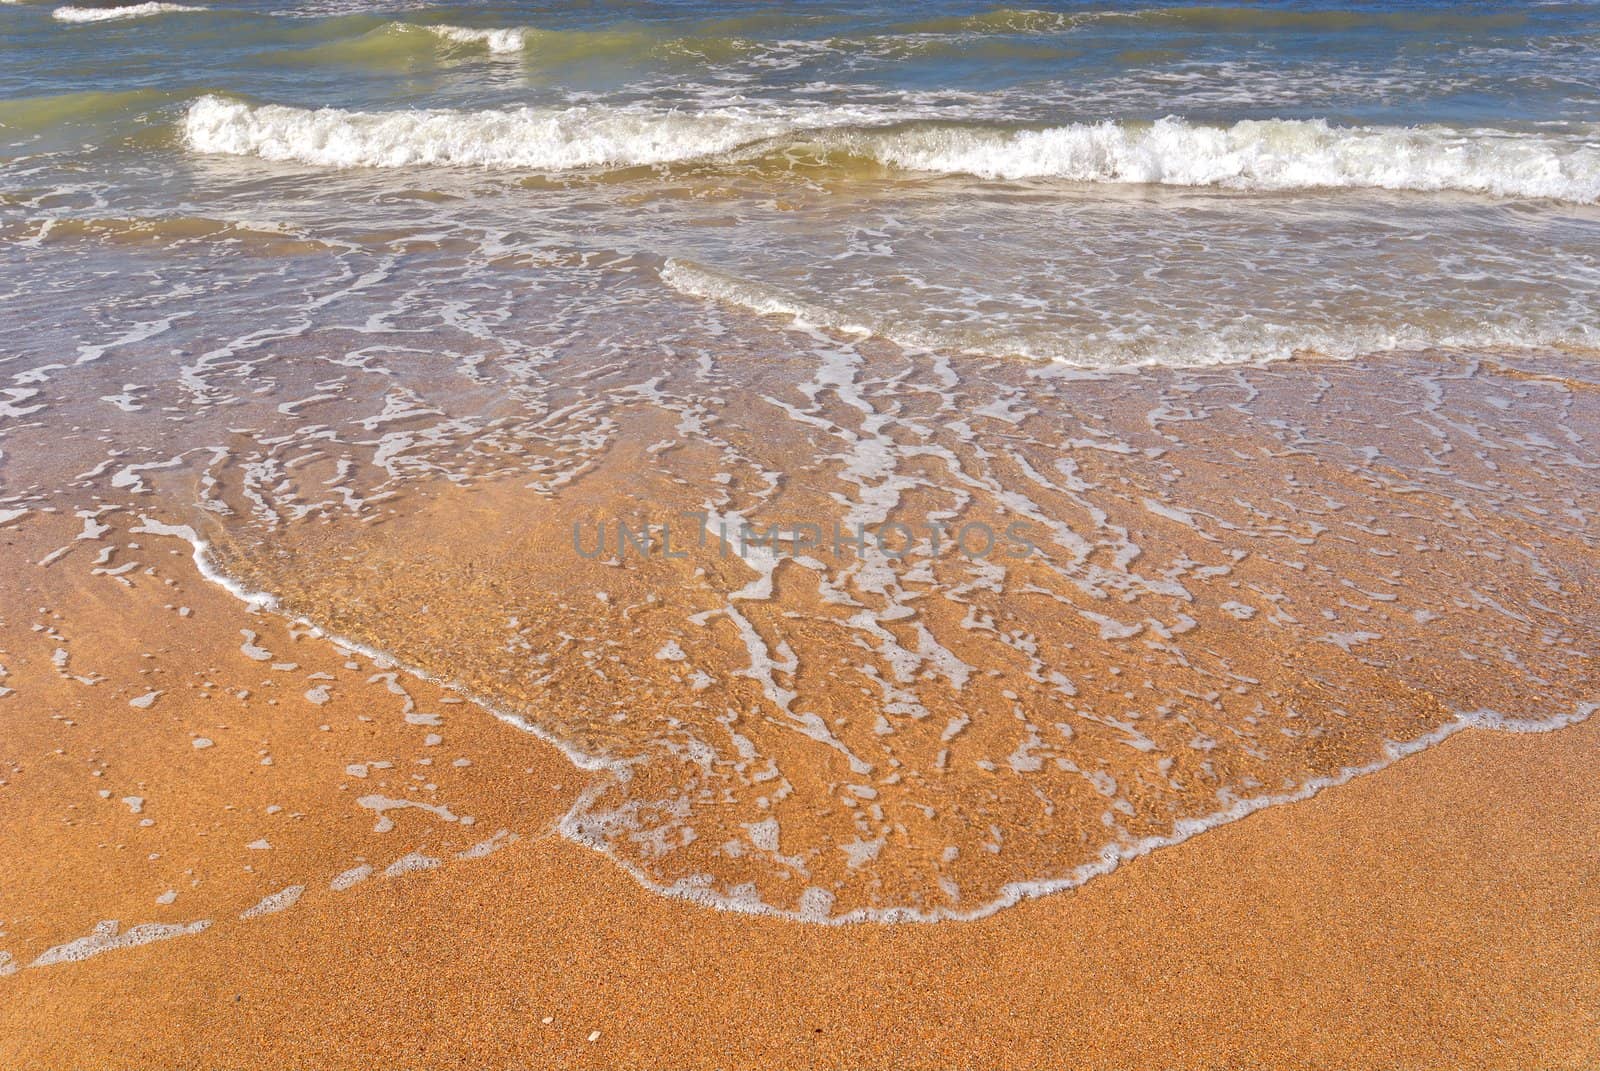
(106, 937)
(410, 864)
(349, 878)
(278, 901)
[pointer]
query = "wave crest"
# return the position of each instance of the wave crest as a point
(1269, 154)
(528, 138)
(500, 41)
(110, 14)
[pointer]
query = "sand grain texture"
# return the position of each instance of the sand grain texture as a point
(1441, 913)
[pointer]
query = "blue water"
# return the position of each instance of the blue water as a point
(1376, 63)
(1339, 175)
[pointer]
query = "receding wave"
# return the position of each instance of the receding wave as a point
(1272, 154)
(111, 14)
(1251, 340)
(163, 232)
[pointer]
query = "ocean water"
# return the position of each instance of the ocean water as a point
(1273, 326)
(1044, 182)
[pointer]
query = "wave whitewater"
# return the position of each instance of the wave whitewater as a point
(111, 14)
(527, 138)
(499, 41)
(1270, 154)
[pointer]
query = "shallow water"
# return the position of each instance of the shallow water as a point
(399, 309)
(1051, 183)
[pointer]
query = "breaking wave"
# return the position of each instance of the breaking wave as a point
(527, 138)
(499, 41)
(1271, 154)
(110, 14)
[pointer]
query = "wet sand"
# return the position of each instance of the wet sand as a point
(338, 335)
(1440, 912)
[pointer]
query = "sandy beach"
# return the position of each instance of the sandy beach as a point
(684, 535)
(338, 833)
(1441, 912)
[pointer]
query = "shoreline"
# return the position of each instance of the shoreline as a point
(1354, 929)
(335, 832)
(684, 536)
(1011, 896)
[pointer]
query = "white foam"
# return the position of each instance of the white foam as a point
(500, 42)
(1265, 154)
(489, 846)
(254, 600)
(528, 138)
(106, 938)
(381, 805)
(354, 876)
(1254, 154)
(278, 901)
(696, 280)
(110, 14)
(410, 864)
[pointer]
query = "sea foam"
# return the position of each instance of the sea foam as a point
(108, 936)
(501, 41)
(110, 14)
(1250, 340)
(529, 138)
(1270, 154)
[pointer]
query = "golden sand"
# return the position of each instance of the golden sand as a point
(1442, 913)
(172, 758)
